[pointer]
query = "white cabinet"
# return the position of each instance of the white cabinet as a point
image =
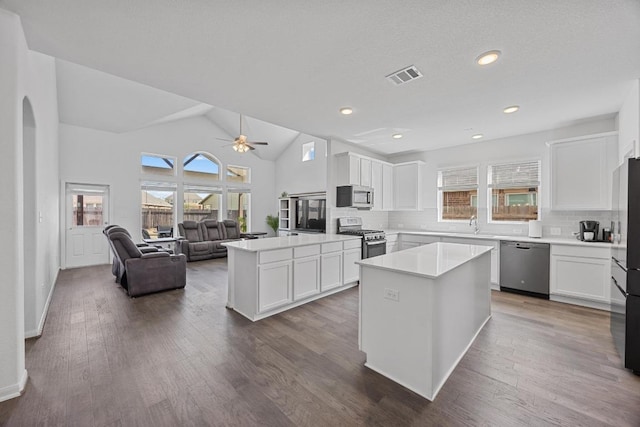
(582, 274)
(353, 169)
(306, 277)
(581, 172)
(392, 243)
(331, 270)
(285, 213)
(408, 241)
(351, 271)
(274, 285)
(407, 185)
(387, 187)
(495, 254)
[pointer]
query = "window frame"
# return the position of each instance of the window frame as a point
(491, 187)
(441, 189)
(173, 169)
(166, 186)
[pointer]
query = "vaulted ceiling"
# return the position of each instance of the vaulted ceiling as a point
(295, 63)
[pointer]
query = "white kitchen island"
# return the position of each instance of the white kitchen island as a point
(421, 309)
(268, 276)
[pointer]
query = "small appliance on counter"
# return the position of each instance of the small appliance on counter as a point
(589, 231)
(535, 228)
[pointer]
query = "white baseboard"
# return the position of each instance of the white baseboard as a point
(38, 332)
(14, 390)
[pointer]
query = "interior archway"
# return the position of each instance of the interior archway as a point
(29, 228)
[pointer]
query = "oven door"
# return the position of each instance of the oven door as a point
(373, 248)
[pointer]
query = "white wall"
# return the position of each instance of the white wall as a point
(25, 74)
(90, 156)
(629, 123)
(523, 147)
(295, 176)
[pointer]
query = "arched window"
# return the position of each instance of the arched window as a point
(201, 166)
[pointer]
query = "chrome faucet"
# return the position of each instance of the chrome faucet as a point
(474, 221)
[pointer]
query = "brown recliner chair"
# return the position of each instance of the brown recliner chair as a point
(191, 242)
(116, 266)
(144, 273)
(213, 234)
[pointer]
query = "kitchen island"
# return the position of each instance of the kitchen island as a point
(268, 276)
(421, 309)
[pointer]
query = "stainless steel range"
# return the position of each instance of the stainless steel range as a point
(374, 242)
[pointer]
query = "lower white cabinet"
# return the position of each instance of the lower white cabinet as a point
(330, 271)
(306, 277)
(392, 243)
(580, 272)
(407, 241)
(351, 270)
(275, 282)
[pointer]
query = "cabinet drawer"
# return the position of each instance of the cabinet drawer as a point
(331, 247)
(352, 244)
(581, 251)
(274, 256)
(303, 251)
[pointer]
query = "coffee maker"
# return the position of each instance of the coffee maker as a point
(589, 230)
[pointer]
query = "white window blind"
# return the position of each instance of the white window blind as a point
(514, 175)
(202, 189)
(158, 186)
(458, 179)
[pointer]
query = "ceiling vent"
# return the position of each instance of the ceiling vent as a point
(405, 75)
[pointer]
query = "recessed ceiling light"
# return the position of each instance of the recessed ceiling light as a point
(511, 109)
(488, 57)
(477, 136)
(396, 136)
(346, 110)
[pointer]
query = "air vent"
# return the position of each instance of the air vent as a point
(405, 75)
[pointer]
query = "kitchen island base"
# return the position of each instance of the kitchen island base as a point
(415, 329)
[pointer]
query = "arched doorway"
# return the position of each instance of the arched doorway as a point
(30, 223)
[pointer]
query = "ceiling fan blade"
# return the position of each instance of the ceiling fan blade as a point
(258, 143)
(250, 147)
(223, 139)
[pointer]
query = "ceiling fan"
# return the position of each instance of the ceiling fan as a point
(241, 144)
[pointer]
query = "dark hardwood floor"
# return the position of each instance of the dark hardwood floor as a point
(180, 358)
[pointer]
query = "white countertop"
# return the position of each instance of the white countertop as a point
(271, 243)
(480, 236)
(429, 261)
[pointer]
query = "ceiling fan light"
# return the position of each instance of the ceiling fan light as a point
(236, 147)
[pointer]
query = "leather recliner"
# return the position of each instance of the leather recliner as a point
(203, 240)
(143, 273)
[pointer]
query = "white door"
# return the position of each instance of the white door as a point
(86, 215)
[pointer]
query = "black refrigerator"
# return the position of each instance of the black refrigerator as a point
(625, 264)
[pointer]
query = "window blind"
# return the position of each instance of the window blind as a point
(458, 179)
(158, 186)
(514, 175)
(202, 189)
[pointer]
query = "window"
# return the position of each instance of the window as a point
(157, 164)
(201, 203)
(457, 194)
(238, 207)
(158, 212)
(308, 151)
(201, 166)
(238, 174)
(513, 190)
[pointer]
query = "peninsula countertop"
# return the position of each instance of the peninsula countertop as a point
(272, 243)
(429, 261)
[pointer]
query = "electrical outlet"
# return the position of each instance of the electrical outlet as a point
(555, 231)
(517, 231)
(392, 294)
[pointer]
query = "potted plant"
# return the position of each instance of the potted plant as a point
(242, 221)
(272, 222)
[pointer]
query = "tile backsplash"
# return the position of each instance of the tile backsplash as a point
(376, 220)
(565, 221)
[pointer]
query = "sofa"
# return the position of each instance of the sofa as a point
(203, 240)
(144, 273)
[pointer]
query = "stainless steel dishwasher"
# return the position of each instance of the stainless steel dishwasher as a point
(524, 268)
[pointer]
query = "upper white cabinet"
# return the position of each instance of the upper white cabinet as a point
(354, 169)
(581, 172)
(407, 185)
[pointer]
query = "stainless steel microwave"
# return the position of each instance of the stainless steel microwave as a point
(354, 196)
